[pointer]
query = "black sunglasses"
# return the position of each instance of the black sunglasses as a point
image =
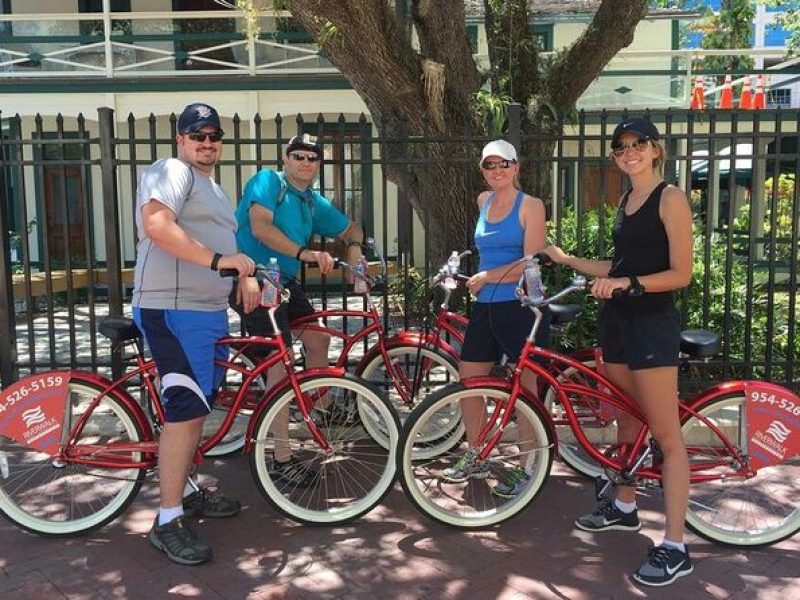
(312, 158)
(491, 166)
(639, 146)
(199, 136)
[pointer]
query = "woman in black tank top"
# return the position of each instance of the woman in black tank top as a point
(640, 334)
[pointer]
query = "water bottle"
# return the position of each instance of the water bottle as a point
(359, 271)
(453, 264)
(533, 280)
(269, 293)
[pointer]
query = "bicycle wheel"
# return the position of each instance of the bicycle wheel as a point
(732, 509)
(596, 419)
(56, 497)
(334, 485)
(412, 366)
(526, 444)
(233, 442)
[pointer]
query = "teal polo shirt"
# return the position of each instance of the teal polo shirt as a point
(299, 215)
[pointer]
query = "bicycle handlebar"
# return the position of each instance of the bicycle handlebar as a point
(261, 274)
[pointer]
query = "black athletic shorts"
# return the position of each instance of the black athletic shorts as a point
(257, 322)
(640, 341)
(498, 328)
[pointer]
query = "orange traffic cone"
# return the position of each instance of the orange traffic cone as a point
(746, 99)
(759, 100)
(698, 95)
(726, 94)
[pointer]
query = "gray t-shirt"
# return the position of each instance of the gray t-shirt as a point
(206, 213)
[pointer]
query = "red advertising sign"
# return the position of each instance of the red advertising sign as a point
(32, 410)
(773, 424)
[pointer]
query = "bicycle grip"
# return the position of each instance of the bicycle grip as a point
(543, 258)
(228, 273)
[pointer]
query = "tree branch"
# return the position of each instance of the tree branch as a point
(611, 30)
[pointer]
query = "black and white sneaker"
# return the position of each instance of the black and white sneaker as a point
(608, 517)
(664, 565)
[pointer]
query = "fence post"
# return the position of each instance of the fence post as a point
(515, 125)
(108, 169)
(8, 349)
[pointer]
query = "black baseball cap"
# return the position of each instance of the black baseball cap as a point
(305, 142)
(643, 127)
(196, 116)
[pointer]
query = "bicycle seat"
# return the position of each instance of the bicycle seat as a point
(118, 328)
(564, 313)
(699, 343)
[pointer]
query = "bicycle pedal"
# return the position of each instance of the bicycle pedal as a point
(601, 488)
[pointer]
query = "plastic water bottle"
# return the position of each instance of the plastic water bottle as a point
(533, 280)
(359, 271)
(269, 293)
(453, 264)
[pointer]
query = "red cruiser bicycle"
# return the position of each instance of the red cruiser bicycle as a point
(75, 447)
(742, 439)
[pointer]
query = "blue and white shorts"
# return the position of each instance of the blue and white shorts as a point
(184, 346)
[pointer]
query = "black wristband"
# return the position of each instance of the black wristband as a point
(215, 261)
(636, 288)
(299, 252)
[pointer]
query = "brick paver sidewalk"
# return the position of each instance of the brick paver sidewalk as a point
(391, 553)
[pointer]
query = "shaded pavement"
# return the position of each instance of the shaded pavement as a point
(393, 552)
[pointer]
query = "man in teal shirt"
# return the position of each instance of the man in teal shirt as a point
(277, 216)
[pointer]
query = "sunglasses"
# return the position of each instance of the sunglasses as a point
(638, 146)
(312, 158)
(199, 136)
(503, 164)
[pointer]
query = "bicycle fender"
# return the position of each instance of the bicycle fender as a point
(414, 338)
(532, 400)
(280, 388)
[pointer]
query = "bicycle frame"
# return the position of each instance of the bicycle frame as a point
(606, 391)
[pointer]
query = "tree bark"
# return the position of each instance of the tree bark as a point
(425, 94)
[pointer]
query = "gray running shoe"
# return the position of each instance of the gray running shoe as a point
(608, 517)
(210, 502)
(664, 565)
(467, 467)
(177, 540)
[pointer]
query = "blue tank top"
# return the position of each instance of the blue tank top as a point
(499, 244)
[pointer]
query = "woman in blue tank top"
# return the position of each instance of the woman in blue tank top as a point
(510, 225)
(640, 334)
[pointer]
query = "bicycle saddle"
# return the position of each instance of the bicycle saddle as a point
(699, 343)
(118, 328)
(564, 313)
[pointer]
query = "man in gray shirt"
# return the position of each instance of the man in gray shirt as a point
(186, 229)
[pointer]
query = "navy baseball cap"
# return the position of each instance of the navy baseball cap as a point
(643, 127)
(305, 142)
(196, 116)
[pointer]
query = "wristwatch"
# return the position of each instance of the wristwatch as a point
(636, 289)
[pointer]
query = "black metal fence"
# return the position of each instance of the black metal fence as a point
(68, 241)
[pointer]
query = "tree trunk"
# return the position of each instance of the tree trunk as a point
(425, 94)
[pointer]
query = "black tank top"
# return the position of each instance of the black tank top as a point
(641, 247)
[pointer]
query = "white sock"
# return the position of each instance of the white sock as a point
(165, 515)
(670, 544)
(626, 507)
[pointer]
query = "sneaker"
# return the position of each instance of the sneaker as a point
(293, 473)
(211, 503)
(466, 468)
(608, 517)
(664, 565)
(513, 484)
(177, 540)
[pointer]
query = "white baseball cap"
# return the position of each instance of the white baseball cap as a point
(499, 148)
